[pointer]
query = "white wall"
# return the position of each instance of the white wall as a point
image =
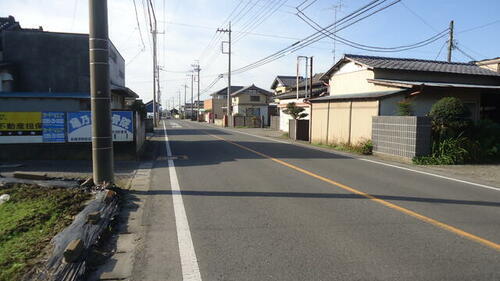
(284, 118)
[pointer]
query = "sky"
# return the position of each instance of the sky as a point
(187, 35)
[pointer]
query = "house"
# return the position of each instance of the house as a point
(190, 109)
(150, 107)
(217, 104)
(37, 65)
(364, 86)
(283, 84)
(491, 64)
(299, 97)
(251, 101)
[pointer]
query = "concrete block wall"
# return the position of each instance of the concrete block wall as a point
(402, 136)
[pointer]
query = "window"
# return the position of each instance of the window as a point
(254, 98)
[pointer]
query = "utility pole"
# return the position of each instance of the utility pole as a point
(196, 68)
(192, 86)
(102, 141)
(311, 81)
(184, 108)
(297, 78)
(450, 41)
(154, 32)
(298, 73)
(336, 9)
(179, 92)
(228, 31)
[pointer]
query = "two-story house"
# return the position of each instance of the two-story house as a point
(252, 101)
(217, 104)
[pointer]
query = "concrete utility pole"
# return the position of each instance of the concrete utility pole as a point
(154, 32)
(450, 41)
(102, 141)
(192, 86)
(185, 90)
(197, 69)
(336, 9)
(179, 92)
(228, 31)
(311, 82)
(298, 73)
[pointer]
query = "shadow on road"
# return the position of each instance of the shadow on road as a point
(312, 196)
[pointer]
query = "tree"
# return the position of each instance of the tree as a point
(295, 111)
(404, 108)
(449, 117)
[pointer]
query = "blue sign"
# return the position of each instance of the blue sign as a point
(53, 129)
(80, 126)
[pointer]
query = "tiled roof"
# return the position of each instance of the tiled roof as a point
(286, 81)
(293, 94)
(421, 65)
(371, 95)
(251, 87)
(223, 91)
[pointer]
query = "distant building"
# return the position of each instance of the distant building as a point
(150, 107)
(283, 84)
(252, 101)
(491, 64)
(217, 104)
(52, 63)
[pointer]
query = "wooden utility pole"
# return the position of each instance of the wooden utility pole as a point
(100, 101)
(450, 41)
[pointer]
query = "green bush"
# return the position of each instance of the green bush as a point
(366, 147)
(404, 108)
(295, 111)
(449, 117)
(450, 151)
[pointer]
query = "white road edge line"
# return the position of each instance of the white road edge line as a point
(377, 162)
(189, 262)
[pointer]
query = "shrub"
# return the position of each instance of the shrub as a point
(295, 111)
(449, 117)
(366, 147)
(404, 108)
(449, 151)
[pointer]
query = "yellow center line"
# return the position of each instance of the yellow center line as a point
(416, 215)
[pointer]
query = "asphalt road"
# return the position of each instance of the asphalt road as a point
(231, 206)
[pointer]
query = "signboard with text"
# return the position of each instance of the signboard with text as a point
(53, 129)
(80, 126)
(21, 127)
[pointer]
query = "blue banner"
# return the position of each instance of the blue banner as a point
(80, 126)
(53, 129)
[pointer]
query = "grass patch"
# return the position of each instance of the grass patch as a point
(364, 147)
(28, 221)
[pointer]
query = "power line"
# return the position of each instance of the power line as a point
(261, 19)
(348, 20)
(440, 50)
(372, 48)
(138, 25)
(418, 16)
(479, 27)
